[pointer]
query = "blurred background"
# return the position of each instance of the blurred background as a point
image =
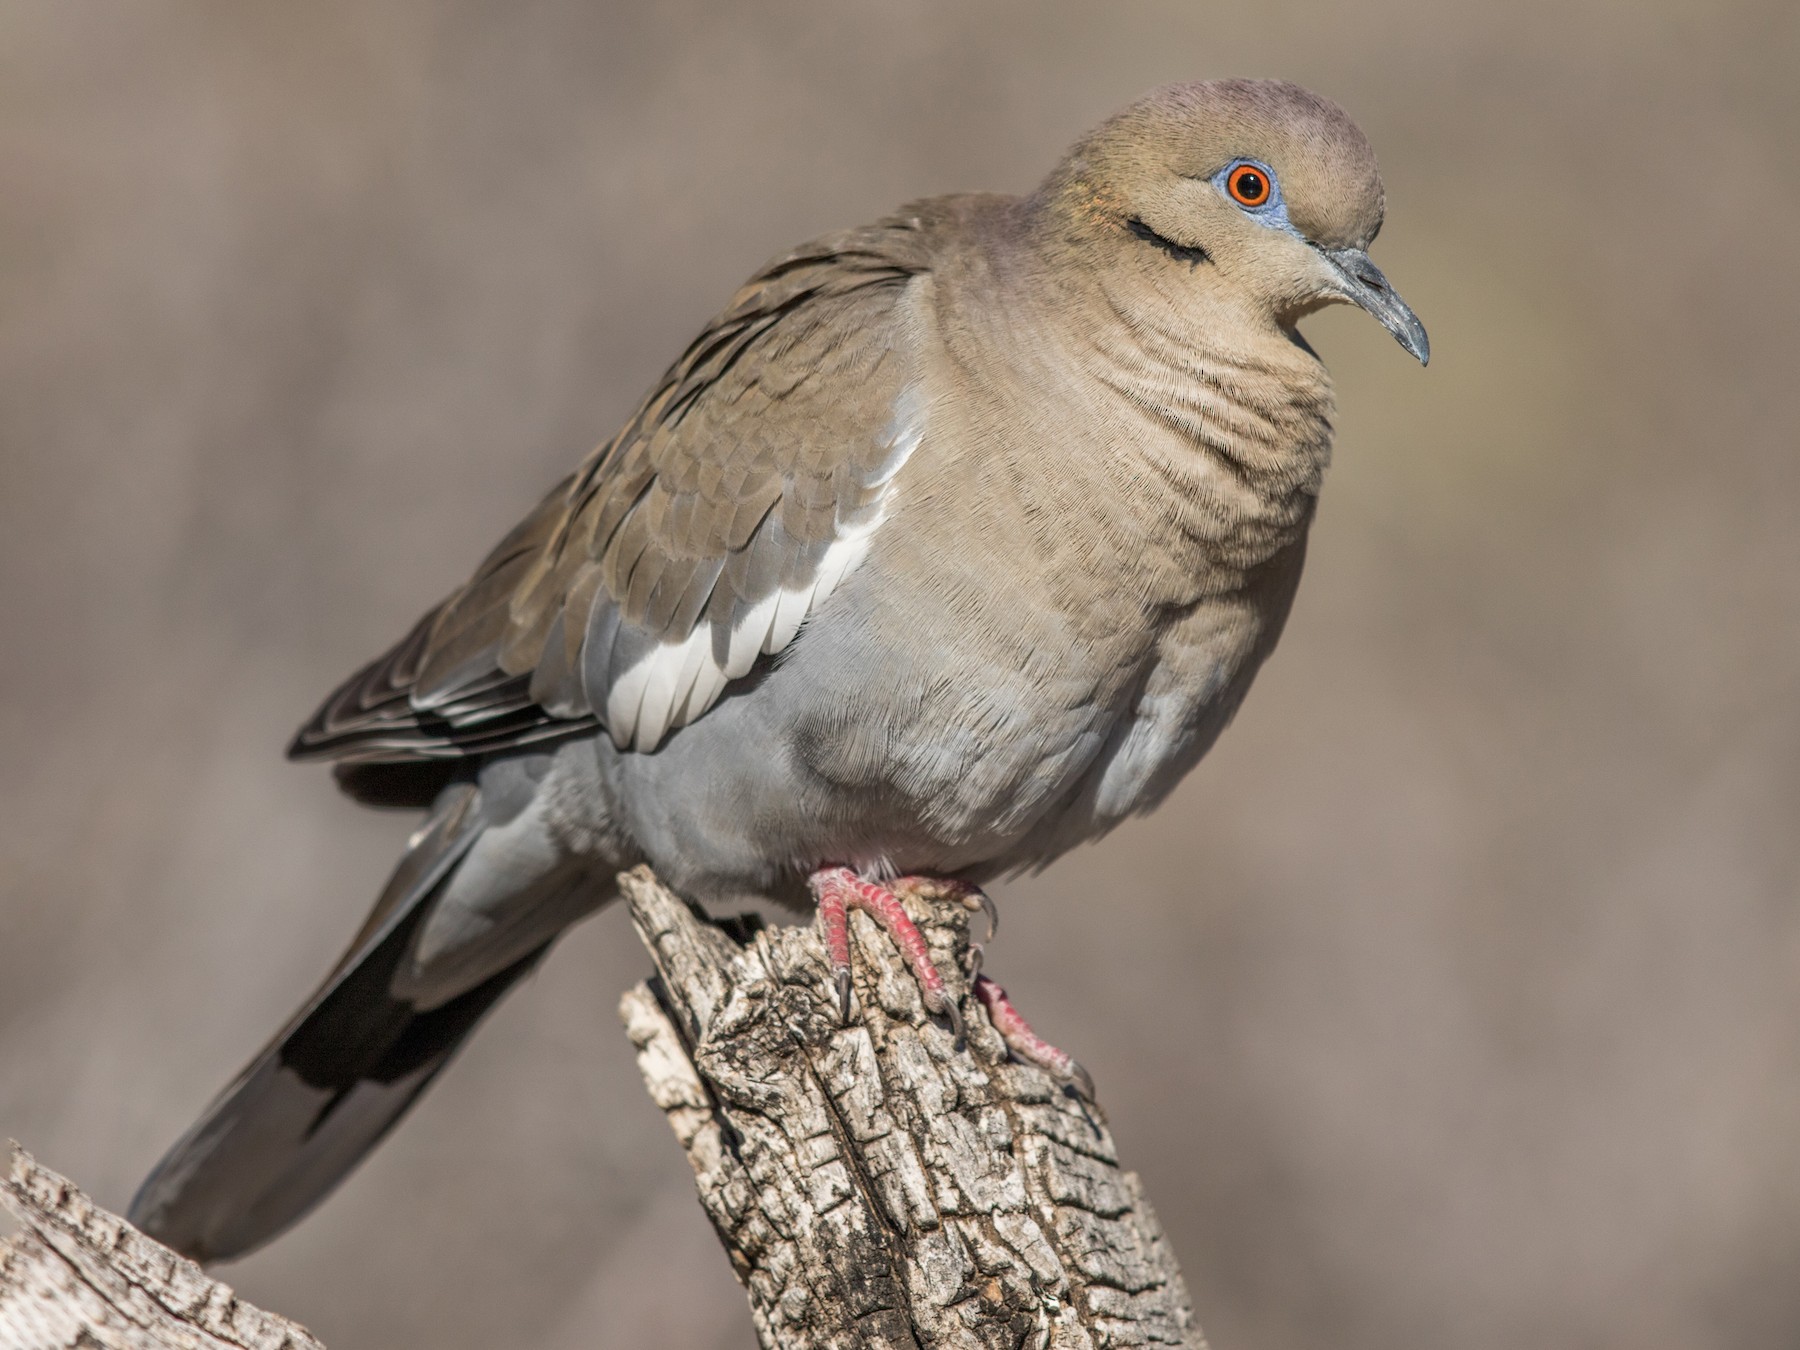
(1454, 1002)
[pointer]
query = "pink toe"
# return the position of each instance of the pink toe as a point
(1026, 1043)
(840, 890)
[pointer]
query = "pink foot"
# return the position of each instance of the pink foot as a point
(967, 893)
(1026, 1043)
(838, 891)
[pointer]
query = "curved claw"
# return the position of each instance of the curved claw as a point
(989, 908)
(968, 893)
(954, 1013)
(972, 962)
(1082, 1081)
(841, 979)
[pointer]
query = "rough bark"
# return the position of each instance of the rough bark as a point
(876, 1185)
(80, 1278)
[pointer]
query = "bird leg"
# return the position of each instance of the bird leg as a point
(967, 893)
(839, 890)
(1026, 1043)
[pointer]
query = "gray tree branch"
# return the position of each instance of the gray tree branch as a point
(874, 1184)
(80, 1278)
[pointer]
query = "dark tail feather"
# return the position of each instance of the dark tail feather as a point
(323, 1094)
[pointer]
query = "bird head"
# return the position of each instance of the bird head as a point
(1254, 191)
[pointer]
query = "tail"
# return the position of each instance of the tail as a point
(472, 907)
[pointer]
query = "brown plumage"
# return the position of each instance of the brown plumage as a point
(697, 510)
(952, 542)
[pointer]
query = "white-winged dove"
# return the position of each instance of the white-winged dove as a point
(952, 542)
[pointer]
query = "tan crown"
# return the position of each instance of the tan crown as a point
(1324, 164)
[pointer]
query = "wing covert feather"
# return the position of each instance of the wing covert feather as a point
(737, 495)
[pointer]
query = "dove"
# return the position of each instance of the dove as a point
(953, 541)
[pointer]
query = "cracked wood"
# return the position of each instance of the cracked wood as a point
(81, 1278)
(875, 1185)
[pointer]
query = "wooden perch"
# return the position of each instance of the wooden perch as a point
(875, 1185)
(80, 1278)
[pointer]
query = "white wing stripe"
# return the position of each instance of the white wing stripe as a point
(747, 636)
(790, 610)
(678, 681)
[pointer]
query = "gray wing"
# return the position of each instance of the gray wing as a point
(699, 538)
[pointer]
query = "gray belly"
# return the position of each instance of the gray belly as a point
(934, 748)
(850, 750)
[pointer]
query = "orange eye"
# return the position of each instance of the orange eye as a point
(1248, 185)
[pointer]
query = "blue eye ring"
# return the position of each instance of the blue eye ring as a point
(1252, 186)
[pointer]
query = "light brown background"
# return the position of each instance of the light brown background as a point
(1455, 1002)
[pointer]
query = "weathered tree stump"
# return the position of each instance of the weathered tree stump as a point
(875, 1184)
(80, 1278)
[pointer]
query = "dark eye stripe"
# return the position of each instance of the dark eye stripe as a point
(1188, 253)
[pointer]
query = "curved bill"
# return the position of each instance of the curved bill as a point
(1365, 285)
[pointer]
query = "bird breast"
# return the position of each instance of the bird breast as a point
(1066, 597)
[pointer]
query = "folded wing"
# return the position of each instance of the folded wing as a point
(738, 496)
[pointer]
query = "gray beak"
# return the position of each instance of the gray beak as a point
(1364, 284)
